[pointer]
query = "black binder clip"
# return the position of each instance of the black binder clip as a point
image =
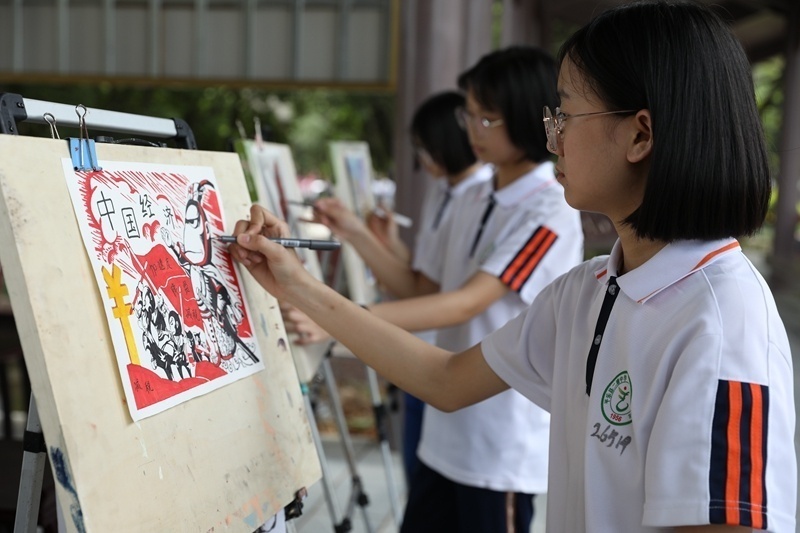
(294, 509)
(82, 150)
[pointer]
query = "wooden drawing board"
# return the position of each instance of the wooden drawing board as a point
(225, 461)
(352, 170)
(274, 176)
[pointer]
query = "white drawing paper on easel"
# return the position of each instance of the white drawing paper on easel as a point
(352, 168)
(175, 307)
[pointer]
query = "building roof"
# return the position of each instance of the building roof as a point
(761, 25)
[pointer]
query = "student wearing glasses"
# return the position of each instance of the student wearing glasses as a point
(503, 240)
(665, 365)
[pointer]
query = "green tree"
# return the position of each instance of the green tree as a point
(305, 119)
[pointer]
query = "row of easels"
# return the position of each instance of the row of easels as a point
(270, 169)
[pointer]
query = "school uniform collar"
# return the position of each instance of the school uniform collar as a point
(524, 187)
(671, 264)
(484, 173)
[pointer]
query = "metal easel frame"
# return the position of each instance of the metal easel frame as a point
(358, 496)
(14, 109)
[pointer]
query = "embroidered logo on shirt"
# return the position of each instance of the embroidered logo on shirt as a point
(616, 400)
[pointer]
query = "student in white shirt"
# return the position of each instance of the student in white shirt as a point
(665, 365)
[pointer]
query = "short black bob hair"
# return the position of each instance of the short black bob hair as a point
(516, 82)
(435, 128)
(708, 172)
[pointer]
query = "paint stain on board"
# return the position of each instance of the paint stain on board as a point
(263, 323)
(64, 477)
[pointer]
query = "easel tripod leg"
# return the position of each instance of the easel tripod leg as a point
(333, 506)
(382, 423)
(358, 495)
(30, 484)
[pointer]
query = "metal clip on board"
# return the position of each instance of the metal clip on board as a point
(82, 150)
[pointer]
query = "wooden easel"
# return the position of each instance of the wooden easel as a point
(360, 288)
(292, 425)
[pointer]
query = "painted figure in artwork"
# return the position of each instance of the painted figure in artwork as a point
(177, 343)
(162, 334)
(197, 347)
(220, 312)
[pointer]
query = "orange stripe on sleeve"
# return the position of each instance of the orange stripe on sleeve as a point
(756, 458)
(519, 261)
(525, 273)
(734, 454)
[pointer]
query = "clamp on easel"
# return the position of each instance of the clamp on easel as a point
(82, 150)
(294, 508)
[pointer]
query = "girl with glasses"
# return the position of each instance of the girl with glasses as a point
(665, 365)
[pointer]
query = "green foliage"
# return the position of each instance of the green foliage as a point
(322, 116)
(768, 81)
(305, 119)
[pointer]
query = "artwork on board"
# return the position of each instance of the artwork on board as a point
(175, 306)
(360, 182)
(352, 167)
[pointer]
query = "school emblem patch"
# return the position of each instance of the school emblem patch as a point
(616, 400)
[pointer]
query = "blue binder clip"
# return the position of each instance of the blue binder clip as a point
(84, 156)
(82, 150)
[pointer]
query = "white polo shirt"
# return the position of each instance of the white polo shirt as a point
(690, 419)
(436, 209)
(530, 237)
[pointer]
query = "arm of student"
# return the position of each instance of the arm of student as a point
(386, 231)
(445, 380)
(443, 309)
(297, 322)
(392, 272)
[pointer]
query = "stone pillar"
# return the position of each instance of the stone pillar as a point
(785, 247)
(438, 40)
(522, 23)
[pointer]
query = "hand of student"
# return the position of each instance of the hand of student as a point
(297, 322)
(384, 228)
(274, 267)
(333, 213)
